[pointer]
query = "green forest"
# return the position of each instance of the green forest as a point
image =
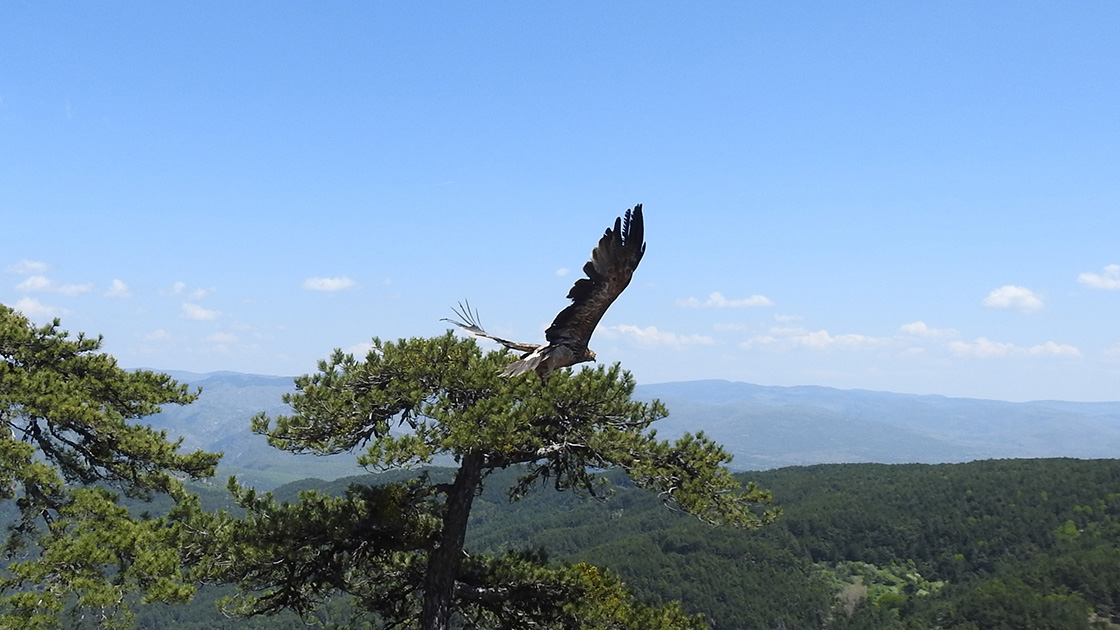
(982, 545)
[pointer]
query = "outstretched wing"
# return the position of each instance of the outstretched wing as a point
(612, 264)
(469, 322)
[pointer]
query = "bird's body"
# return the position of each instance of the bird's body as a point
(609, 271)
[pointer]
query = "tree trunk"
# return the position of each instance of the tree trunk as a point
(443, 562)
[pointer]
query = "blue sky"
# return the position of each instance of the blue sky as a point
(914, 197)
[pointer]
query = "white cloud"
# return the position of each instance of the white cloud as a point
(1011, 296)
(198, 313)
(823, 339)
(651, 336)
(74, 289)
(1108, 279)
(25, 267)
(118, 290)
(563, 271)
(982, 347)
(985, 348)
(819, 339)
(42, 283)
(222, 337)
(328, 284)
(360, 350)
(179, 287)
(921, 329)
(35, 283)
(716, 300)
(34, 308)
(157, 335)
(1057, 349)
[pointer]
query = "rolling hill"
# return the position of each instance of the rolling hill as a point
(763, 427)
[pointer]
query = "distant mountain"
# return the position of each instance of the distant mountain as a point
(769, 427)
(763, 427)
(219, 421)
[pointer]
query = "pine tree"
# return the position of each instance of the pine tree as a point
(68, 443)
(398, 548)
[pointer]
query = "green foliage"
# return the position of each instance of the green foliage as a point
(1010, 604)
(397, 548)
(66, 413)
(766, 578)
(294, 555)
(952, 521)
(936, 532)
(884, 587)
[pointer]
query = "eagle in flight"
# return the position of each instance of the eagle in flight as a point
(612, 264)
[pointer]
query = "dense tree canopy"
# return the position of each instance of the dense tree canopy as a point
(399, 548)
(954, 545)
(67, 442)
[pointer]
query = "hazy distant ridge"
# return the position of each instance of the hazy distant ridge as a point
(777, 426)
(764, 427)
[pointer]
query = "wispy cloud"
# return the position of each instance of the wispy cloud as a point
(911, 340)
(198, 313)
(652, 336)
(328, 284)
(921, 329)
(716, 300)
(34, 283)
(985, 348)
(34, 308)
(222, 337)
(1056, 349)
(25, 267)
(1109, 278)
(818, 339)
(73, 289)
(42, 283)
(180, 287)
(563, 271)
(157, 335)
(360, 350)
(1011, 296)
(982, 347)
(824, 339)
(118, 289)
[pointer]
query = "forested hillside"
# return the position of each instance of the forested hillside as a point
(988, 544)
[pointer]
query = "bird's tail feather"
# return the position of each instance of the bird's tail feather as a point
(468, 321)
(528, 363)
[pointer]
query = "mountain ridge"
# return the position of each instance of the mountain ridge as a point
(762, 426)
(884, 427)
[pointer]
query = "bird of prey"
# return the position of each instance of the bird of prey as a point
(612, 264)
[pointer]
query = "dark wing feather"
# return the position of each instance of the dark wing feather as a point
(469, 322)
(612, 264)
